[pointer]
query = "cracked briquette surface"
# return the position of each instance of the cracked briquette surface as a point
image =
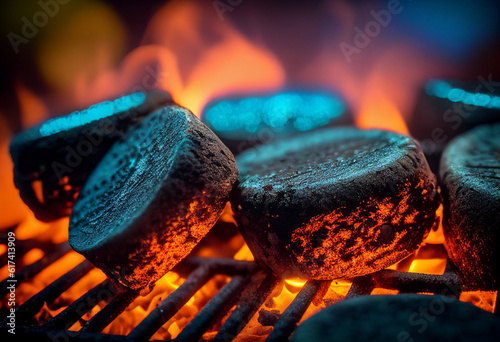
(53, 159)
(152, 197)
(338, 202)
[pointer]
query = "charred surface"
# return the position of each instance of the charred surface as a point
(335, 203)
(53, 160)
(152, 197)
(402, 318)
(470, 174)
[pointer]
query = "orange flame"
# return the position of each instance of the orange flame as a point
(193, 56)
(379, 112)
(216, 59)
(12, 209)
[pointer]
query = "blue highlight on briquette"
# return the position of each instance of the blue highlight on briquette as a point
(303, 110)
(95, 112)
(445, 90)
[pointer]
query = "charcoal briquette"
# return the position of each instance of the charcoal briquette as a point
(53, 160)
(152, 197)
(405, 317)
(337, 202)
(470, 177)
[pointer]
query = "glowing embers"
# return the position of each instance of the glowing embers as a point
(270, 315)
(152, 198)
(259, 119)
(336, 202)
(390, 281)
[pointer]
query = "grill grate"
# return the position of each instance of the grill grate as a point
(197, 271)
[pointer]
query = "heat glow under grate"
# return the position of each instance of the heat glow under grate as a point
(223, 318)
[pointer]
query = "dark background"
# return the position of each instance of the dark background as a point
(465, 33)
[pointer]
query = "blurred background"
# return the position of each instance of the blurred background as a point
(59, 56)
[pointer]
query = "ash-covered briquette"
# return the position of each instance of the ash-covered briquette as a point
(470, 176)
(244, 122)
(152, 197)
(447, 108)
(53, 160)
(403, 317)
(334, 203)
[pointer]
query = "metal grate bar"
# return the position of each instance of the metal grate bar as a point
(26, 311)
(172, 304)
(198, 270)
(114, 308)
(32, 270)
(294, 312)
(24, 246)
(451, 273)
(245, 310)
(361, 286)
(215, 308)
(70, 315)
(416, 282)
(219, 265)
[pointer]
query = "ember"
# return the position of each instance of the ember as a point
(356, 220)
(53, 160)
(335, 203)
(156, 194)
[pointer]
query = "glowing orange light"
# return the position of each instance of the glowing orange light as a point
(244, 254)
(297, 282)
(436, 236)
(214, 58)
(32, 107)
(377, 111)
(12, 208)
(429, 266)
(485, 300)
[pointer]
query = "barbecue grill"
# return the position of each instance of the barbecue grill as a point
(369, 64)
(225, 315)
